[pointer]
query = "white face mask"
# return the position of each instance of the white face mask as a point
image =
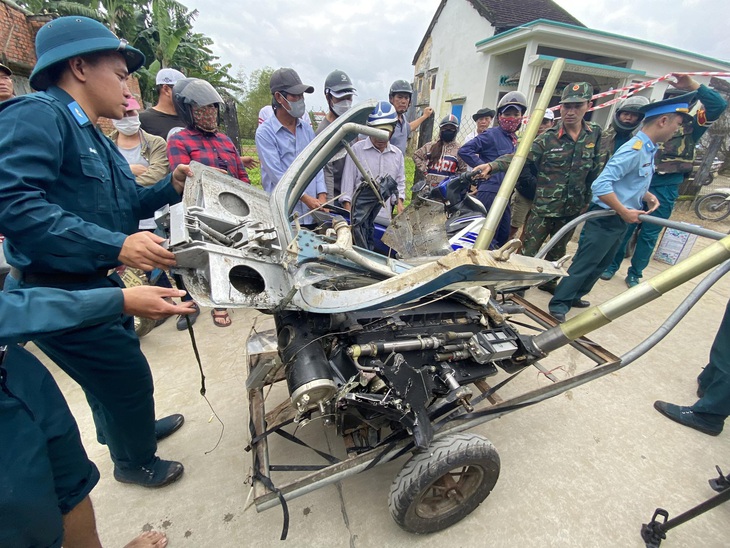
(129, 125)
(341, 107)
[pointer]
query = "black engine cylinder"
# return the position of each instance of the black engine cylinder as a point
(308, 374)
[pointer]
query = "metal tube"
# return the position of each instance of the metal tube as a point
(650, 219)
(365, 175)
(570, 226)
(676, 316)
(598, 316)
(340, 471)
(486, 234)
(686, 227)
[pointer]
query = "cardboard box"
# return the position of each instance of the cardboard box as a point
(674, 246)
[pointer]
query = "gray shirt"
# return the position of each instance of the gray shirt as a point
(399, 139)
(377, 164)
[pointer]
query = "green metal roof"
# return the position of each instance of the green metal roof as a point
(598, 33)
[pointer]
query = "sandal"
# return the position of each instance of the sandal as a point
(220, 317)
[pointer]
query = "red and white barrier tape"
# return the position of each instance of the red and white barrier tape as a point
(633, 88)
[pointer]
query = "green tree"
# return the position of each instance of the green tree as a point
(161, 29)
(255, 95)
(87, 8)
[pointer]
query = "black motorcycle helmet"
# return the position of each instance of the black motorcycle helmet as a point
(630, 104)
(193, 92)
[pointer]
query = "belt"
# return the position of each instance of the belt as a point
(53, 278)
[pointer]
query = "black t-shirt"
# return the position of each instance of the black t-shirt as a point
(158, 123)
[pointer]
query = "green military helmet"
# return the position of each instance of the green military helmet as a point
(630, 104)
(68, 37)
(576, 92)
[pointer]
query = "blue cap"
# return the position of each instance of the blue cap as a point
(67, 37)
(674, 105)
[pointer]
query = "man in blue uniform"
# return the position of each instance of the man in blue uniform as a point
(622, 186)
(713, 407)
(45, 475)
(673, 162)
(70, 207)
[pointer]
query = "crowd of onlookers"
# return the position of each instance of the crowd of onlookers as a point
(75, 204)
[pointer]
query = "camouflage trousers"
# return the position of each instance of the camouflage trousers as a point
(539, 229)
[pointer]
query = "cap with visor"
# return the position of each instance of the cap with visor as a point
(288, 81)
(576, 92)
(338, 84)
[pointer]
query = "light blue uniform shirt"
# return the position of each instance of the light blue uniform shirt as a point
(628, 173)
(277, 148)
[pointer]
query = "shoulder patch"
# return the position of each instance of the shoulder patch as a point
(78, 113)
(638, 145)
(701, 117)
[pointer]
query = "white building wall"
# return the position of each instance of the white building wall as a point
(461, 70)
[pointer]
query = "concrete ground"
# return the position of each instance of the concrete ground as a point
(586, 468)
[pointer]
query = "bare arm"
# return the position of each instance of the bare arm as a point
(427, 113)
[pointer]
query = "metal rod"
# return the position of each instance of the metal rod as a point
(676, 316)
(486, 234)
(363, 172)
(598, 316)
(650, 219)
(701, 508)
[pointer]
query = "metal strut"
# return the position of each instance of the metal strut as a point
(655, 531)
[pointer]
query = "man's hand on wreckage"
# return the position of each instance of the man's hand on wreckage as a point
(179, 176)
(149, 301)
(143, 250)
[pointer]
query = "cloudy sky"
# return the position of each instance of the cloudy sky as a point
(374, 41)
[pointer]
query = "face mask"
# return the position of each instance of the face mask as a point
(297, 108)
(206, 118)
(129, 125)
(341, 107)
(448, 135)
(510, 125)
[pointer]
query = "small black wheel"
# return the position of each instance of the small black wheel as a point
(713, 207)
(442, 485)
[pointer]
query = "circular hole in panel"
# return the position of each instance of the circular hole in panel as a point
(246, 280)
(234, 204)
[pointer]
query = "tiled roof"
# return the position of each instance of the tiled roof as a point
(504, 15)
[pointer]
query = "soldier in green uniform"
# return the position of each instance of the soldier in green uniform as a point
(674, 160)
(566, 159)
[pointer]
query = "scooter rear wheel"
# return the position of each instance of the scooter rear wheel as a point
(713, 207)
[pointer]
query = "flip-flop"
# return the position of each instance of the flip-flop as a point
(221, 318)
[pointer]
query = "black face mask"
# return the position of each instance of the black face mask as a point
(448, 135)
